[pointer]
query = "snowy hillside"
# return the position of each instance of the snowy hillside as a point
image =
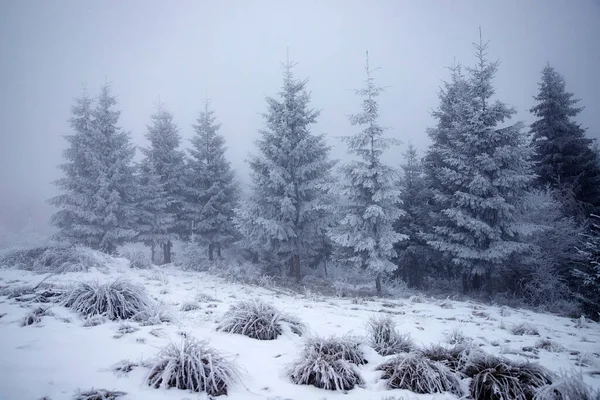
(57, 356)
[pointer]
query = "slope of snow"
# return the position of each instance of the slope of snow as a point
(55, 357)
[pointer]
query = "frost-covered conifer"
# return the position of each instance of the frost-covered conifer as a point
(164, 165)
(96, 207)
(368, 193)
(564, 157)
(283, 215)
(480, 171)
(212, 191)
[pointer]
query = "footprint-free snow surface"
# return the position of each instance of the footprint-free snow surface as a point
(57, 356)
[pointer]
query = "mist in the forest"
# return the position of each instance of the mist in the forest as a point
(230, 51)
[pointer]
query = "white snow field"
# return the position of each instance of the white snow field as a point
(57, 356)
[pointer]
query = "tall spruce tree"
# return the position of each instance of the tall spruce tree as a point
(369, 192)
(413, 255)
(480, 172)
(211, 185)
(565, 158)
(97, 204)
(283, 217)
(164, 164)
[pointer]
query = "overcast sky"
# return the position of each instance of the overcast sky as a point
(232, 50)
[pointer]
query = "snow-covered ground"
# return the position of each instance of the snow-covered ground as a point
(58, 356)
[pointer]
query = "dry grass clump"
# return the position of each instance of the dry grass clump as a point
(419, 374)
(99, 394)
(329, 364)
(258, 320)
(192, 365)
(118, 299)
(385, 339)
(35, 316)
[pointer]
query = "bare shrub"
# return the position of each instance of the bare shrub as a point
(499, 378)
(118, 299)
(99, 394)
(194, 366)
(385, 339)
(419, 374)
(524, 328)
(328, 364)
(35, 316)
(257, 320)
(456, 336)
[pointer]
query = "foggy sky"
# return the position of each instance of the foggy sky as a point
(231, 51)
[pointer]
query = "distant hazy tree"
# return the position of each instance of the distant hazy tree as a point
(283, 216)
(164, 165)
(368, 192)
(480, 172)
(212, 191)
(96, 208)
(565, 158)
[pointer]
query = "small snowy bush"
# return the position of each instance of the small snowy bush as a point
(257, 320)
(194, 366)
(419, 374)
(567, 387)
(118, 299)
(329, 364)
(456, 336)
(384, 338)
(55, 259)
(549, 345)
(99, 394)
(35, 316)
(189, 306)
(138, 260)
(498, 378)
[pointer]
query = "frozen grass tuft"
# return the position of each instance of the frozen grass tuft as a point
(194, 366)
(524, 328)
(498, 378)
(567, 387)
(385, 339)
(99, 394)
(155, 313)
(456, 336)
(258, 320)
(329, 364)
(189, 306)
(453, 357)
(419, 374)
(118, 299)
(35, 316)
(94, 320)
(549, 345)
(123, 367)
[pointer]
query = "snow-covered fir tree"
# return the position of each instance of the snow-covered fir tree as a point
(154, 221)
(368, 192)
(564, 157)
(413, 255)
(97, 206)
(212, 190)
(480, 171)
(164, 164)
(283, 218)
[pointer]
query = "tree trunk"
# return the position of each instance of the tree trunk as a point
(325, 266)
(167, 253)
(210, 251)
(152, 251)
(378, 284)
(219, 251)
